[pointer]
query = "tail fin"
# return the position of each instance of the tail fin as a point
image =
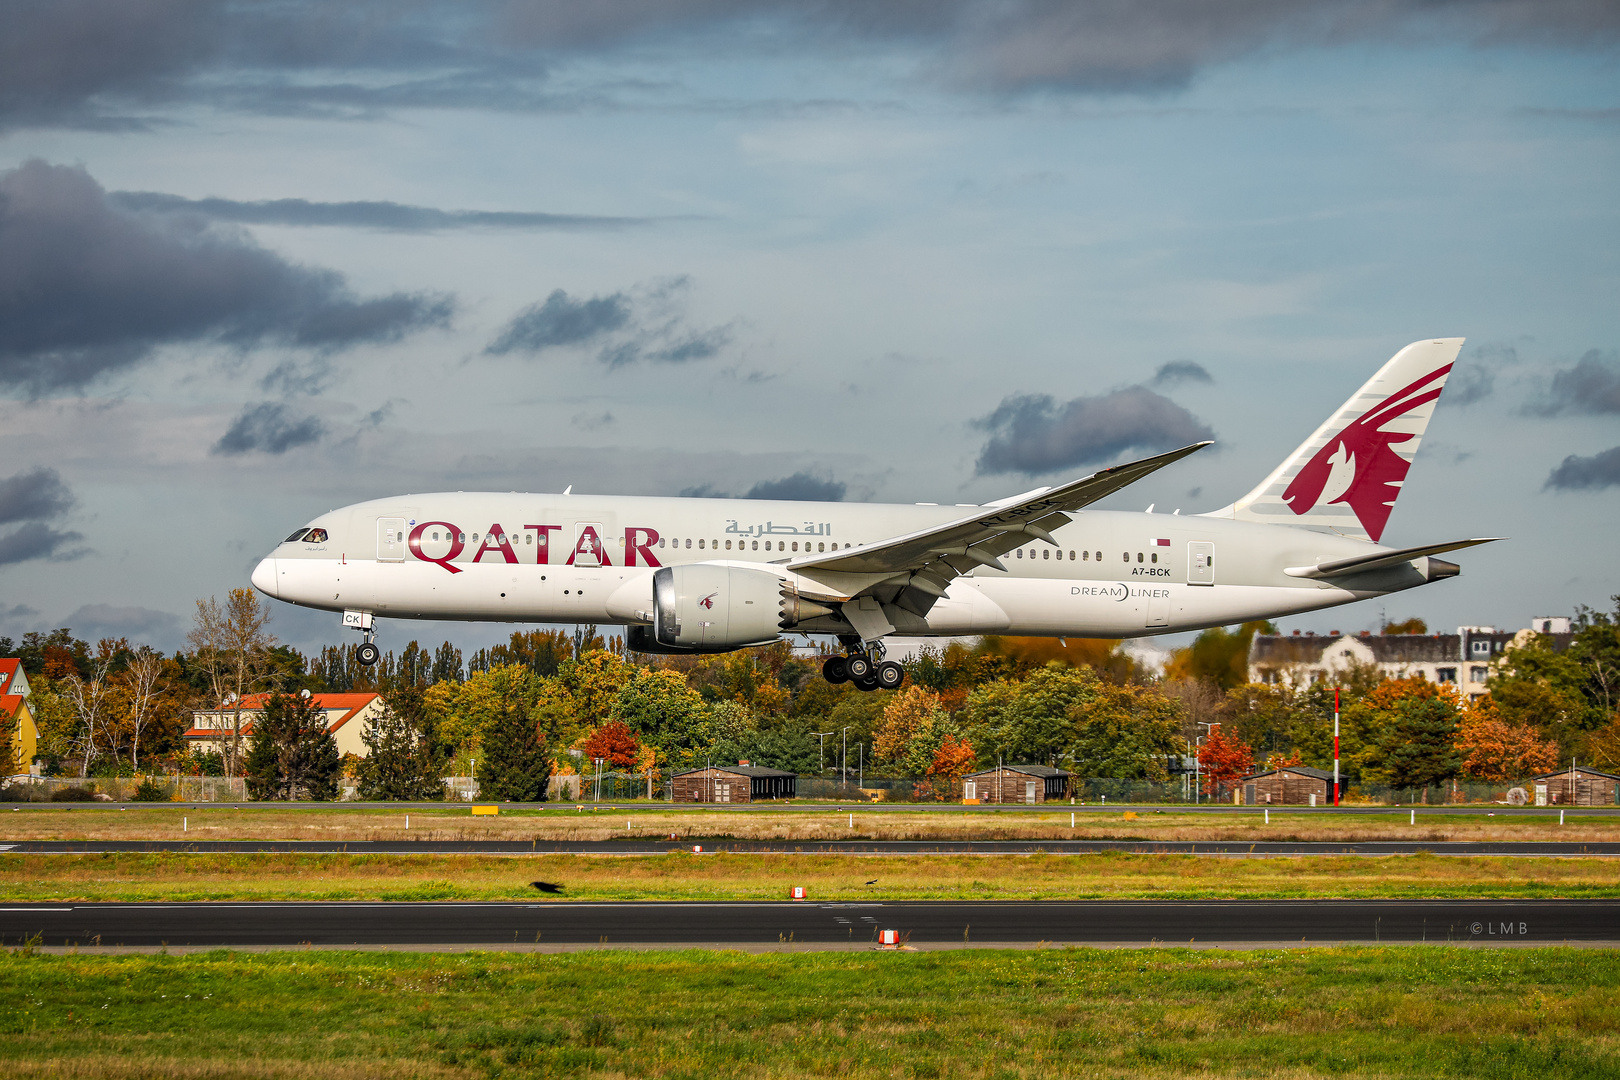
(1346, 477)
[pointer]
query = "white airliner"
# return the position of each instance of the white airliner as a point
(712, 575)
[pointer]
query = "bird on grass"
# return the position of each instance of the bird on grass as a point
(547, 886)
(872, 882)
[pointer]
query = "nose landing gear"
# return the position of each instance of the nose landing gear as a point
(367, 653)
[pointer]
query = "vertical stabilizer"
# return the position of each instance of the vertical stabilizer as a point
(1347, 475)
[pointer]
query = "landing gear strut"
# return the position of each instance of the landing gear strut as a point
(367, 653)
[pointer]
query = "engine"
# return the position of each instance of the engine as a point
(702, 607)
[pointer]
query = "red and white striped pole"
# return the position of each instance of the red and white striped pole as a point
(1335, 746)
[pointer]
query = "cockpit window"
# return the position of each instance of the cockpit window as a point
(315, 536)
(299, 535)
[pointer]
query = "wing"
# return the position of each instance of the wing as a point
(923, 563)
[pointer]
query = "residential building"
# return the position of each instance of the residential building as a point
(1462, 659)
(14, 711)
(346, 717)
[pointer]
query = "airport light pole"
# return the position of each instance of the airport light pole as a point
(821, 758)
(1198, 770)
(843, 772)
(1335, 746)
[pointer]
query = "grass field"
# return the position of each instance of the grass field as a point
(1547, 1014)
(174, 822)
(682, 876)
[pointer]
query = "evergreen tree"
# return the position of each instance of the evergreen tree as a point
(291, 754)
(446, 664)
(515, 762)
(403, 762)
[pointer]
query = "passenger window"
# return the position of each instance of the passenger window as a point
(700, 543)
(688, 543)
(1126, 555)
(528, 538)
(821, 547)
(767, 545)
(475, 538)
(299, 535)
(1046, 554)
(660, 541)
(1155, 556)
(756, 545)
(795, 545)
(1084, 555)
(1099, 556)
(1071, 556)
(728, 545)
(463, 538)
(1020, 553)
(315, 536)
(1138, 556)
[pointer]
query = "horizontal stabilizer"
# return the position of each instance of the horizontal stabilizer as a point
(1382, 560)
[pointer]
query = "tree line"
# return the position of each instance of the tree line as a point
(553, 702)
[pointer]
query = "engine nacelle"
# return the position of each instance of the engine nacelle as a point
(706, 608)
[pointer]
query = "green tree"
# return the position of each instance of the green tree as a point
(1218, 654)
(514, 764)
(1126, 732)
(291, 754)
(1407, 730)
(402, 762)
(1028, 720)
(664, 712)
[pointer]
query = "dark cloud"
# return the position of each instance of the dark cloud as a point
(1469, 383)
(1587, 473)
(1033, 434)
(624, 328)
(37, 540)
(1592, 386)
(142, 626)
(97, 64)
(1180, 371)
(800, 487)
(37, 495)
(268, 427)
(395, 217)
(87, 289)
(561, 320)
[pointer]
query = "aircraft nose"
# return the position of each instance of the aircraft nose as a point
(264, 577)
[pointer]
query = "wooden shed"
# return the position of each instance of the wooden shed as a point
(1016, 784)
(733, 784)
(1293, 784)
(1575, 787)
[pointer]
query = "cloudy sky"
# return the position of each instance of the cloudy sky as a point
(262, 260)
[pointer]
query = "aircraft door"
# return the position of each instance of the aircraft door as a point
(587, 543)
(390, 539)
(1200, 563)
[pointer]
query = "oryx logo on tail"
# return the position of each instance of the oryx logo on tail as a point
(1363, 465)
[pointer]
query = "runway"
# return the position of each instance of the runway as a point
(712, 845)
(721, 924)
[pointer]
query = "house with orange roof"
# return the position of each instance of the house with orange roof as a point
(346, 716)
(14, 710)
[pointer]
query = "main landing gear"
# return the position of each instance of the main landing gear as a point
(367, 653)
(865, 667)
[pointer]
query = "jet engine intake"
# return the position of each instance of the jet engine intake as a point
(702, 607)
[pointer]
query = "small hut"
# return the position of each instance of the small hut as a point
(1292, 784)
(733, 784)
(1575, 787)
(1016, 784)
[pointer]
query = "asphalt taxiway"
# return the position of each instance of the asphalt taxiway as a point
(721, 924)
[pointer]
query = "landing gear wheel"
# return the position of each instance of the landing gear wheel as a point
(367, 653)
(866, 685)
(836, 670)
(858, 666)
(890, 675)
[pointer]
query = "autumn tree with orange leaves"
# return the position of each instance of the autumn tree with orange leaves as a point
(1495, 749)
(1223, 761)
(615, 743)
